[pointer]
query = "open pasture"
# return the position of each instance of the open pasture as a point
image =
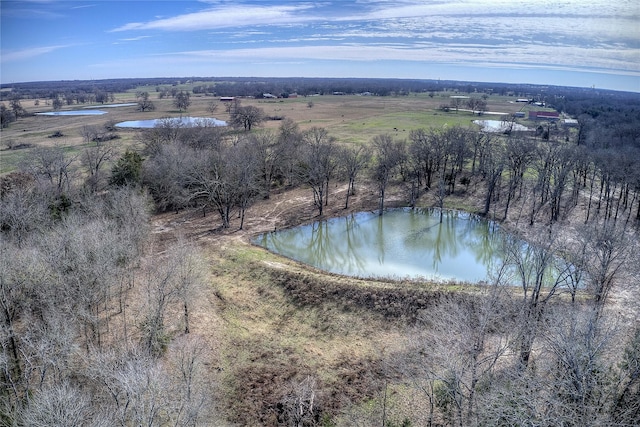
(349, 118)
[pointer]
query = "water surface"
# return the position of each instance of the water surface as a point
(179, 121)
(401, 243)
(499, 126)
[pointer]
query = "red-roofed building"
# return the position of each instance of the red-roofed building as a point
(544, 115)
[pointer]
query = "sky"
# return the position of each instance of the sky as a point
(553, 42)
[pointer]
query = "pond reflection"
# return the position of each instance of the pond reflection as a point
(401, 243)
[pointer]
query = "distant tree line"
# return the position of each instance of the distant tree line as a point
(244, 86)
(49, 89)
(615, 113)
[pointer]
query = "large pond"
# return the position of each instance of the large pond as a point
(181, 121)
(401, 243)
(73, 113)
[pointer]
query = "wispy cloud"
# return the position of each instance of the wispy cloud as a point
(21, 55)
(84, 6)
(233, 36)
(224, 17)
(133, 39)
(572, 57)
(30, 13)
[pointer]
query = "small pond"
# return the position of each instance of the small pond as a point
(499, 126)
(182, 121)
(73, 113)
(401, 243)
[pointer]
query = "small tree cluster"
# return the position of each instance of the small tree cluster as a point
(144, 103)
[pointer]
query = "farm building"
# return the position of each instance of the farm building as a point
(544, 115)
(227, 98)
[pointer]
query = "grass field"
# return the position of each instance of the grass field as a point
(350, 118)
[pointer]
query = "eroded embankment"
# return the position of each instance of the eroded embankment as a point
(342, 332)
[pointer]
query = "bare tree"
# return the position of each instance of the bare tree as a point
(144, 103)
(94, 253)
(16, 106)
(564, 161)
(51, 167)
(271, 152)
(387, 155)
(22, 211)
(454, 352)
(182, 101)
(6, 117)
(518, 157)
(606, 250)
(579, 376)
(477, 105)
(456, 102)
(626, 406)
(300, 403)
(166, 131)
(192, 400)
(427, 150)
(212, 107)
(247, 117)
(56, 103)
(189, 276)
(57, 406)
(226, 179)
(353, 160)
(166, 175)
(19, 271)
(202, 136)
(320, 162)
(244, 175)
(140, 389)
(231, 106)
(290, 139)
(493, 165)
(94, 158)
(481, 143)
(132, 388)
(161, 292)
(535, 269)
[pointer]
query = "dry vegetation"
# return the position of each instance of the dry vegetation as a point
(284, 344)
(350, 118)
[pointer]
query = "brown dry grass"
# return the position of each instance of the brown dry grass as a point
(351, 119)
(271, 321)
(276, 321)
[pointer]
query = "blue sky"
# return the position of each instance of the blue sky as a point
(569, 42)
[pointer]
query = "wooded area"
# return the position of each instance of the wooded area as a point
(97, 312)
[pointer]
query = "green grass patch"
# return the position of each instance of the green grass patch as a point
(10, 159)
